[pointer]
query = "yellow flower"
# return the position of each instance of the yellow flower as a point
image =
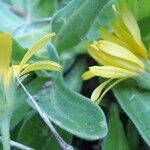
(121, 53)
(24, 67)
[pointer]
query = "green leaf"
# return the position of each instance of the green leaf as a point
(78, 24)
(42, 138)
(72, 112)
(116, 138)
(135, 102)
(61, 16)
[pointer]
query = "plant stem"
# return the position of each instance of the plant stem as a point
(18, 145)
(5, 132)
(61, 142)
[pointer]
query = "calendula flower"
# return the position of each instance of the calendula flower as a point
(9, 72)
(121, 54)
(24, 67)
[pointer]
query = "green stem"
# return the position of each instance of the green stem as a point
(5, 133)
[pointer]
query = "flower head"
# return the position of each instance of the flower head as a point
(121, 53)
(24, 67)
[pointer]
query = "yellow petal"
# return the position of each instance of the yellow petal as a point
(109, 37)
(109, 60)
(95, 53)
(16, 69)
(41, 65)
(38, 45)
(136, 48)
(121, 23)
(119, 51)
(130, 23)
(5, 51)
(112, 38)
(87, 75)
(110, 72)
(97, 92)
(108, 88)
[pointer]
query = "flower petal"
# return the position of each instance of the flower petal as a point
(5, 51)
(136, 48)
(95, 53)
(121, 23)
(130, 23)
(112, 38)
(110, 72)
(46, 65)
(108, 88)
(97, 92)
(38, 45)
(87, 75)
(119, 51)
(109, 60)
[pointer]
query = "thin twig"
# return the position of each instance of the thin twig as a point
(60, 141)
(18, 145)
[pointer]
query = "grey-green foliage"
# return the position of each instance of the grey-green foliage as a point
(76, 26)
(135, 102)
(72, 112)
(61, 16)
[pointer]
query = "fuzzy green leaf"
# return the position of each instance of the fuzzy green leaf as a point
(135, 102)
(78, 24)
(72, 112)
